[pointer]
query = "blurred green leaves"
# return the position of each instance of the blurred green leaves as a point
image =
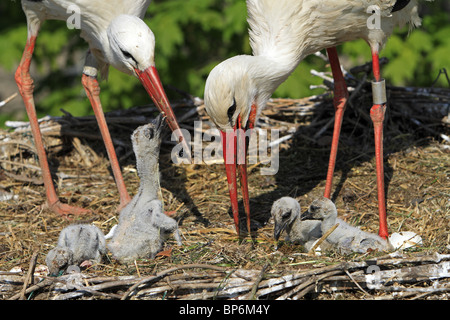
(12, 41)
(193, 36)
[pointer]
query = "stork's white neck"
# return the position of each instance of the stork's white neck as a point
(265, 74)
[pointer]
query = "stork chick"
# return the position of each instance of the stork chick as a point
(143, 227)
(146, 235)
(345, 238)
(286, 213)
(78, 244)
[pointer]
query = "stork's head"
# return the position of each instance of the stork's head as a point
(284, 212)
(132, 48)
(146, 139)
(320, 209)
(132, 44)
(58, 259)
(230, 93)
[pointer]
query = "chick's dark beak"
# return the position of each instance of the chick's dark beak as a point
(278, 229)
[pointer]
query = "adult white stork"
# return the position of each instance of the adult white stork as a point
(282, 33)
(117, 36)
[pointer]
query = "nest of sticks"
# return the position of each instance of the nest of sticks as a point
(389, 277)
(213, 263)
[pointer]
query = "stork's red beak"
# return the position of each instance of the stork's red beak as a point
(235, 154)
(152, 84)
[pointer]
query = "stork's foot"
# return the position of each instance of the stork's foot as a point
(65, 209)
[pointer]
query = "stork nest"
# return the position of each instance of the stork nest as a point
(213, 263)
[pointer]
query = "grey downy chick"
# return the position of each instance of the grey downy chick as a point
(78, 244)
(146, 141)
(146, 236)
(286, 213)
(345, 238)
(142, 222)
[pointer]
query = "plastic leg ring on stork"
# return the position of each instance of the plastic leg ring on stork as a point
(379, 92)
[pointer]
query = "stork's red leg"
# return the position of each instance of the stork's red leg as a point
(377, 115)
(339, 101)
(26, 87)
(92, 88)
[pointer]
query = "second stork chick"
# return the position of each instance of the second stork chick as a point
(345, 238)
(286, 213)
(143, 227)
(145, 237)
(79, 245)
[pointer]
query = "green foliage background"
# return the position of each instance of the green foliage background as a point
(191, 38)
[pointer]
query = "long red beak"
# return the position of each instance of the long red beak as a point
(152, 84)
(235, 153)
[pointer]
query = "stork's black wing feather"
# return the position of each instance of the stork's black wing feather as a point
(399, 5)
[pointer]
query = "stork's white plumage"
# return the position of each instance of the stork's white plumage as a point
(282, 33)
(117, 36)
(100, 26)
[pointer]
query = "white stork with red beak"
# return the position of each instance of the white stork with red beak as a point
(117, 36)
(282, 33)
